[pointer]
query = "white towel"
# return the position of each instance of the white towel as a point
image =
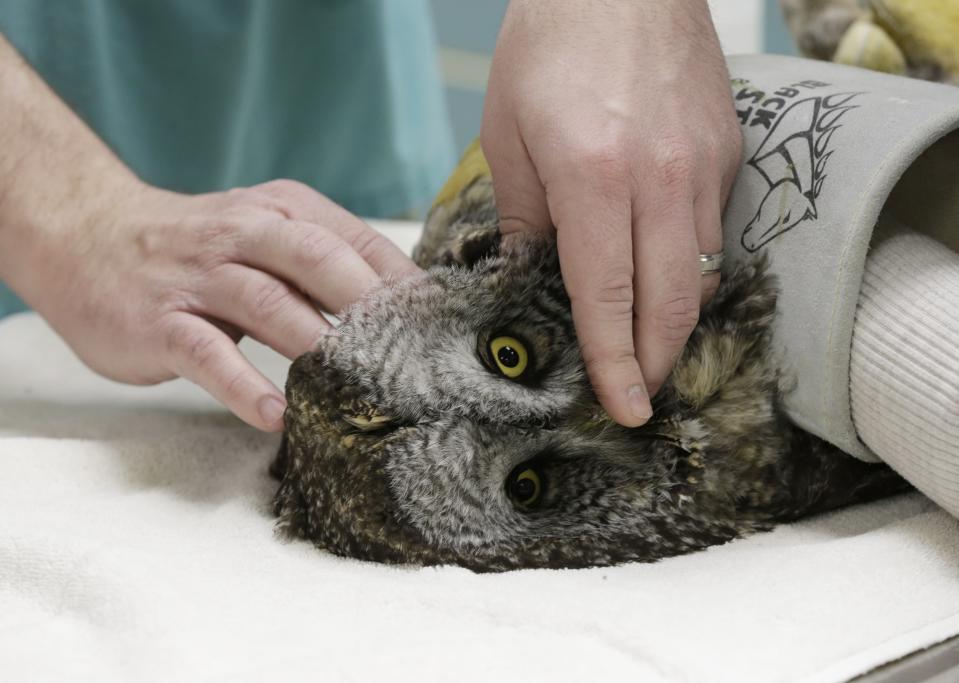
(136, 544)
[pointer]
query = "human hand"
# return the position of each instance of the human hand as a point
(613, 121)
(145, 284)
(157, 284)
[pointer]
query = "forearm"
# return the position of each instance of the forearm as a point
(55, 175)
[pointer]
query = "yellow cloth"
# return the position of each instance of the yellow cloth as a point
(472, 165)
(927, 31)
(865, 44)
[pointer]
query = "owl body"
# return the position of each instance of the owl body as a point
(451, 422)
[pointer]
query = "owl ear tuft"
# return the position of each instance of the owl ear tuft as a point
(473, 245)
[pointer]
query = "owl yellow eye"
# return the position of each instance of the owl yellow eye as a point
(524, 486)
(510, 356)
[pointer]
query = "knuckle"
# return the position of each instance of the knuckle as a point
(385, 259)
(712, 153)
(675, 319)
(268, 300)
(238, 195)
(238, 201)
(284, 194)
(285, 187)
(191, 347)
(214, 232)
(616, 287)
(733, 141)
(317, 250)
(280, 196)
(605, 156)
(367, 243)
(218, 241)
(675, 162)
(612, 296)
(616, 302)
(236, 387)
(726, 150)
(607, 360)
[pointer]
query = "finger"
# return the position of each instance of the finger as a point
(203, 354)
(315, 259)
(732, 162)
(707, 213)
(267, 309)
(520, 196)
(302, 203)
(667, 284)
(594, 242)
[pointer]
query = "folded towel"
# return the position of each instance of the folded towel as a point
(904, 370)
(136, 543)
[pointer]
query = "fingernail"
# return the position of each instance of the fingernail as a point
(271, 409)
(639, 402)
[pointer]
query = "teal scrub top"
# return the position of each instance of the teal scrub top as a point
(204, 95)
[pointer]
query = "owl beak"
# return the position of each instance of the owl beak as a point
(371, 422)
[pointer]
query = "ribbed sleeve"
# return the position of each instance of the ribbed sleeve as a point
(904, 375)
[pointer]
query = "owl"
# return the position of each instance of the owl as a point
(451, 421)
